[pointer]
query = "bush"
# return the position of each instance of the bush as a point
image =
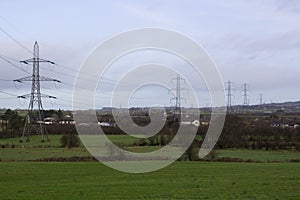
(70, 141)
(140, 142)
(213, 155)
(163, 140)
(192, 151)
(154, 140)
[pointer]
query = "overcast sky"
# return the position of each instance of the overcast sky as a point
(255, 42)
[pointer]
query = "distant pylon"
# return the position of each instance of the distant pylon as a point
(34, 118)
(229, 89)
(260, 98)
(245, 94)
(178, 90)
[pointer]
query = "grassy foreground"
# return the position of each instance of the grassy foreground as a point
(181, 180)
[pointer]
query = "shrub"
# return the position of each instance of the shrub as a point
(140, 142)
(192, 151)
(163, 140)
(154, 140)
(213, 155)
(70, 141)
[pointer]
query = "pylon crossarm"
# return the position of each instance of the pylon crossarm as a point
(42, 95)
(28, 78)
(24, 96)
(43, 78)
(36, 60)
(48, 96)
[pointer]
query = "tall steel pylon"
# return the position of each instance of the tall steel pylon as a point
(245, 94)
(260, 98)
(178, 90)
(229, 90)
(34, 118)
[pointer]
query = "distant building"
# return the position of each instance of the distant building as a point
(49, 120)
(195, 123)
(67, 120)
(106, 124)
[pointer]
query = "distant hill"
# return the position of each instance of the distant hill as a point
(286, 107)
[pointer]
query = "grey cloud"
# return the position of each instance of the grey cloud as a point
(288, 6)
(284, 41)
(269, 43)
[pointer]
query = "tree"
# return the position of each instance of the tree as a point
(13, 125)
(233, 133)
(14, 120)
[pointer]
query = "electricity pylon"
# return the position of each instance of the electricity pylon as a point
(178, 90)
(229, 95)
(245, 94)
(34, 119)
(260, 98)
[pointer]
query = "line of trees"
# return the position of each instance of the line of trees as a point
(12, 123)
(238, 132)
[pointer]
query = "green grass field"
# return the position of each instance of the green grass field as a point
(54, 140)
(260, 155)
(34, 149)
(181, 180)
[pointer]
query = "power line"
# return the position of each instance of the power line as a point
(78, 71)
(10, 58)
(9, 93)
(5, 58)
(8, 98)
(16, 41)
(4, 79)
(16, 66)
(87, 78)
(85, 73)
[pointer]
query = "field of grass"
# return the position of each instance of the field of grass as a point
(30, 154)
(34, 149)
(181, 180)
(260, 155)
(54, 140)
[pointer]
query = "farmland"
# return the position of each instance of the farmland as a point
(269, 175)
(33, 153)
(181, 180)
(36, 150)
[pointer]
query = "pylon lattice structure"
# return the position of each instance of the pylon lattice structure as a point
(229, 90)
(245, 94)
(34, 119)
(260, 98)
(178, 90)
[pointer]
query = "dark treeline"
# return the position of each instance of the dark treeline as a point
(238, 132)
(12, 123)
